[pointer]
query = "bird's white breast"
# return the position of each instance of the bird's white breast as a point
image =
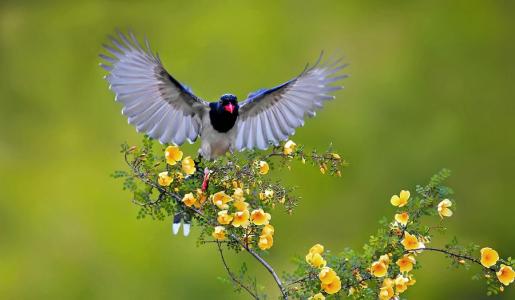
(215, 143)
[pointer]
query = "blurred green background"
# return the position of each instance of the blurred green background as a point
(431, 87)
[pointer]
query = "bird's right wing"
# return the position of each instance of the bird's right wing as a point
(269, 116)
(154, 101)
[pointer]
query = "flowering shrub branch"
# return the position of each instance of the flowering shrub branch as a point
(230, 199)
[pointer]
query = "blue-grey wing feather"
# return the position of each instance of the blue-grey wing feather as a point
(154, 101)
(269, 116)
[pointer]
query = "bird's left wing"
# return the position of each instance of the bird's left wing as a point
(271, 115)
(154, 101)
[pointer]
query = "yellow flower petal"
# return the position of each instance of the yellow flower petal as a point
(220, 199)
(317, 248)
(385, 259)
(188, 165)
(263, 167)
(401, 284)
(173, 154)
(332, 287)
(400, 200)
(443, 208)
(240, 205)
(238, 194)
(326, 275)
(259, 217)
(406, 263)
(265, 242)
(224, 218)
(164, 179)
(506, 275)
(489, 257)
(402, 218)
(241, 218)
(316, 260)
(386, 293)
(268, 230)
(318, 296)
(189, 199)
(219, 233)
(410, 242)
(378, 269)
(289, 147)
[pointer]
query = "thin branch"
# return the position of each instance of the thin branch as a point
(233, 277)
(302, 279)
(177, 198)
(270, 270)
(455, 255)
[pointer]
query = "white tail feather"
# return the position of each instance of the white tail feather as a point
(175, 228)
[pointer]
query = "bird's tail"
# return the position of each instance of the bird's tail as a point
(185, 220)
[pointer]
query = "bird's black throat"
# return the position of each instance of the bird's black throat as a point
(221, 120)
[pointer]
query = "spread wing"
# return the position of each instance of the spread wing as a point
(154, 101)
(269, 116)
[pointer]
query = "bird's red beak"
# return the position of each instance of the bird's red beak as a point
(229, 107)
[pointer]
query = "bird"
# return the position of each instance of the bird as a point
(157, 104)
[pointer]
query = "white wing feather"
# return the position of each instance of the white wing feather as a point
(270, 116)
(153, 101)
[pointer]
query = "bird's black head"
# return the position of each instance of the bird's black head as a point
(229, 103)
(223, 114)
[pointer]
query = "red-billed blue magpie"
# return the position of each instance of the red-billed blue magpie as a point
(159, 105)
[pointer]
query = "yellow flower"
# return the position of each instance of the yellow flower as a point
(173, 154)
(505, 274)
(265, 241)
(401, 284)
(443, 208)
(326, 275)
(219, 233)
(164, 179)
(402, 218)
(220, 199)
(263, 167)
(385, 259)
(224, 218)
(489, 257)
(317, 248)
(289, 147)
(267, 230)
(378, 269)
(406, 263)
(189, 199)
(201, 198)
(388, 282)
(188, 165)
(323, 169)
(241, 218)
(386, 293)
(411, 281)
(318, 296)
(238, 194)
(316, 260)
(410, 242)
(332, 287)
(259, 217)
(240, 205)
(386, 290)
(400, 200)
